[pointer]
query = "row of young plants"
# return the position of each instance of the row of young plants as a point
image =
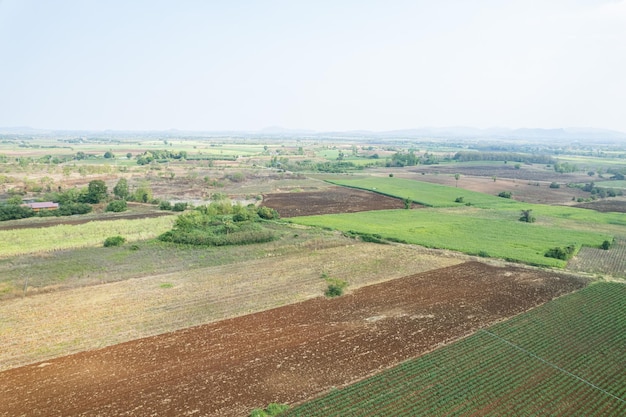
(559, 359)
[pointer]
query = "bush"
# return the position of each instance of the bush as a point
(165, 205)
(459, 200)
(505, 194)
(179, 207)
(70, 209)
(267, 213)
(117, 206)
(335, 287)
(14, 211)
(114, 241)
(606, 245)
(561, 253)
(272, 410)
(554, 185)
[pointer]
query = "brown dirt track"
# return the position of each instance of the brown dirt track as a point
(287, 354)
(330, 201)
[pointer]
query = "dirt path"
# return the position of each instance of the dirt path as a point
(285, 355)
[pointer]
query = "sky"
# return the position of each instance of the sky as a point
(321, 65)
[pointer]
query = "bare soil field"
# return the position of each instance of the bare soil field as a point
(612, 205)
(287, 354)
(330, 201)
(87, 314)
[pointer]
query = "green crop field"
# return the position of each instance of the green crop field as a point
(65, 236)
(432, 195)
(440, 196)
(565, 358)
(464, 231)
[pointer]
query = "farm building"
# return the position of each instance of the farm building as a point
(47, 205)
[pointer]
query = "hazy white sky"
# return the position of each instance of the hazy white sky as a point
(322, 65)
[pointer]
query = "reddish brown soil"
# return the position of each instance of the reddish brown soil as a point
(285, 355)
(330, 201)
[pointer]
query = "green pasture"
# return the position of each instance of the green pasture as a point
(441, 196)
(565, 358)
(464, 231)
(432, 195)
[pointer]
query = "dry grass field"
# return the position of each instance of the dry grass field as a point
(47, 325)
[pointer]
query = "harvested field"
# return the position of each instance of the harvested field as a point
(94, 316)
(285, 355)
(330, 201)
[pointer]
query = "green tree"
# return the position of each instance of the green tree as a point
(96, 192)
(456, 177)
(121, 189)
(109, 155)
(143, 194)
(527, 216)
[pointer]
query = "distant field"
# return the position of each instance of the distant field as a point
(464, 231)
(440, 196)
(565, 358)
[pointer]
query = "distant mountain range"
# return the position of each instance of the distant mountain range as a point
(454, 132)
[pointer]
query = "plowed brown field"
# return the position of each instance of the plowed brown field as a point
(330, 201)
(286, 355)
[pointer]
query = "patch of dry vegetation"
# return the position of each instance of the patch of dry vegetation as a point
(40, 327)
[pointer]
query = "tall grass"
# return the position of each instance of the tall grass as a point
(48, 239)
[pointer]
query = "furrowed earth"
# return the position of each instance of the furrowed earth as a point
(330, 201)
(287, 354)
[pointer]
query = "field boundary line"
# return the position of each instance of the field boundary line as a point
(555, 366)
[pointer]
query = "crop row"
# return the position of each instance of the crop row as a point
(502, 371)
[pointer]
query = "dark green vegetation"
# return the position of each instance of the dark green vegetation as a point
(335, 286)
(220, 224)
(565, 358)
(114, 241)
(117, 206)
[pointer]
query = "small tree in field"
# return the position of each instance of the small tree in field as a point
(527, 216)
(456, 177)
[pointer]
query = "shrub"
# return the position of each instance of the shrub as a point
(505, 194)
(165, 205)
(272, 410)
(117, 206)
(74, 208)
(114, 241)
(14, 211)
(267, 213)
(179, 207)
(561, 253)
(555, 185)
(606, 245)
(459, 200)
(335, 287)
